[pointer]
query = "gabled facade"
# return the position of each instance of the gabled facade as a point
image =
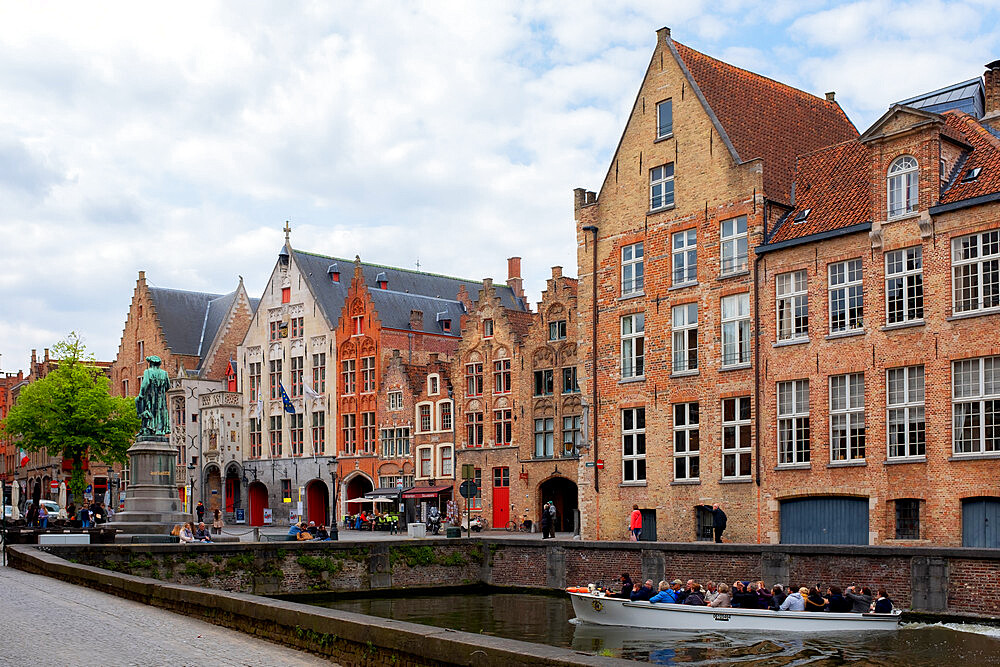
(703, 168)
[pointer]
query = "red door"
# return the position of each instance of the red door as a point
(501, 497)
(258, 501)
(317, 503)
(230, 494)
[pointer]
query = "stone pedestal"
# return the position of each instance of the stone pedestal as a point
(152, 504)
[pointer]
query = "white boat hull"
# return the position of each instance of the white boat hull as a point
(616, 611)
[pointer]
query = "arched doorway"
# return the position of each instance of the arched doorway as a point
(213, 489)
(563, 493)
(356, 487)
(233, 488)
(258, 501)
(317, 502)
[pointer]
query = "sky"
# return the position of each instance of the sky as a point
(178, 138)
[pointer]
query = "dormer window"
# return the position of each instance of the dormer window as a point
(444, 320)
(382, 280)
(334, 272)
(802, 215)
(901, 186)
(972, 175)
(433, 385)
(445, 325)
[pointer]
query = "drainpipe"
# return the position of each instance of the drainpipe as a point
(756, 370)
(593, 353)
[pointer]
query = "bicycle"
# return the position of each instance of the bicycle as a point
(523, 527)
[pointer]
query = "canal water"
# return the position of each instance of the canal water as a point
(546, 619)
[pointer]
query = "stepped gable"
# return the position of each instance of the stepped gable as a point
(520, 322)
(407, 290)
(832, 184)
(182, 316)
(762, 118)
(985, 154)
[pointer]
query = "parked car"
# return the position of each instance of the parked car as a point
(51, 507)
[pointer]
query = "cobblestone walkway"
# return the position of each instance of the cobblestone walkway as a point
(47, 622)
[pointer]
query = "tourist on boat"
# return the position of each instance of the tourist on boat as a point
(838, 604)
(795, 601)
(777, 597)
(744, 596)
(626, 587)
(695, 596)
(661, 596)
(815, 600)
(642, 593)
(710, 592)
(882, 604)
(763, 596)
(668, 592)
(722, 598)
(860, 597)
(685, 591)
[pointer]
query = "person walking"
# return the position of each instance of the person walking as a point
(553, 516)
(217, 522)
(546, 521)
(200, 511)
(635, 523)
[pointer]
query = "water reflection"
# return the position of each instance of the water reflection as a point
(549, 620)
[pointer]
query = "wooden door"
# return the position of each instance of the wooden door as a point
(501, 497)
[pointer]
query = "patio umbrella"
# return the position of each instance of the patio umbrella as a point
(15, 499)
(360, 500)
(62, 494)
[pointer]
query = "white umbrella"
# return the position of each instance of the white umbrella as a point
(62, 494)
(15, 498)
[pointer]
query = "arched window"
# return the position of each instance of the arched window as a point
(901, 185)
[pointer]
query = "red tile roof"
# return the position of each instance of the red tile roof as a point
(833, 184)
(985, 155)
(767, 119)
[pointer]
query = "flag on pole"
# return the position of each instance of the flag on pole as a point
(24, 458)
(285, 401)
(310, 392)
(260, 409)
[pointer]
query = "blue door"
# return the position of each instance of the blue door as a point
(824, 520)
(981, 523)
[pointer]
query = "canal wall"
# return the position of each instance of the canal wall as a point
(947, 581)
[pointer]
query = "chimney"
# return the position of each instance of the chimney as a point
(142, 276)
(556, 272)
(416, 320)
(514, 280)
(831, 96)
(991, 101)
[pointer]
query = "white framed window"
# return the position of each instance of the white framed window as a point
(445, 421)
(792, 306)
(687, 448)
(571, 431)
(846, 297)
(736, 329)
(906, 429)
(395, 400)
(685, 337)
(633, 345)
(664, 119)
(904, 285)
(975, 261)
(685, 257)
(446, 460)
(557, 330)
(733, 240)
(661, 186)
(901, 186)
(975, 406)
(544, 438)
(424, 421)
(488, 328)
(425, 462)
(433, 385)
(847, 417)
(633, 445)
(632, 269)
(736, 438)
(793, 422)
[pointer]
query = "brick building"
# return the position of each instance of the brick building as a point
(10, 387)
(325, 333)
(704, 162)
(195, 334)
(518, 403)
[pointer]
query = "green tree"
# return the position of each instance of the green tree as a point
(71, 411)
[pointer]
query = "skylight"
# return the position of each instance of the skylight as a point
(972, 175)
(801, 215)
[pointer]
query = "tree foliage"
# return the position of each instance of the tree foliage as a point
(71, 411)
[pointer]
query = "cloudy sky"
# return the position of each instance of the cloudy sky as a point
(178, 139)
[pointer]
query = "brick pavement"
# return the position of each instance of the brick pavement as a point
(51, 622)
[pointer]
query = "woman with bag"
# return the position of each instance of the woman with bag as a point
(635, 524)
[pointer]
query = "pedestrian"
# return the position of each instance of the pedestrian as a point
(84, 514)
(553, 516)
(217, 522)
(43, 516)
(635, 524)
(200, 511)
(718, 520)
(546, 521)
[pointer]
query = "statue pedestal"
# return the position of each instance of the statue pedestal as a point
(152, 504)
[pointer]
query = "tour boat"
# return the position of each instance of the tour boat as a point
(603, 610)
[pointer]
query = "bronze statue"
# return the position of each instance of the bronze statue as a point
(151, 403)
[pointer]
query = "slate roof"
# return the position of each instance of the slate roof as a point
(763, 118)
(967, 96)
(182, 315)
(985, 155)
(407, 290)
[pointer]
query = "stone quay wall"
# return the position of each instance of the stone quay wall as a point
(945, 581)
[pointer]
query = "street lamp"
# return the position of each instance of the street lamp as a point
(191, 468)
(331, 465)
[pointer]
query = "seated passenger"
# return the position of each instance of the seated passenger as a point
(682, 593)
(695, 596)
(838, 603)
(661, 593)
(710, 591)
(795, 601)
(744, 597)
(626, 587)
(642, 593)
(722, 598)
(882, 604)
(777, 597)
(303, 534)
(861, 599)
(763, 596)
(815, 600)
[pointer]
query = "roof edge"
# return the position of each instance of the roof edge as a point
(964, 203)
(819, 236)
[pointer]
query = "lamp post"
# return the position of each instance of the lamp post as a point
(331, 465)
(191, 468)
